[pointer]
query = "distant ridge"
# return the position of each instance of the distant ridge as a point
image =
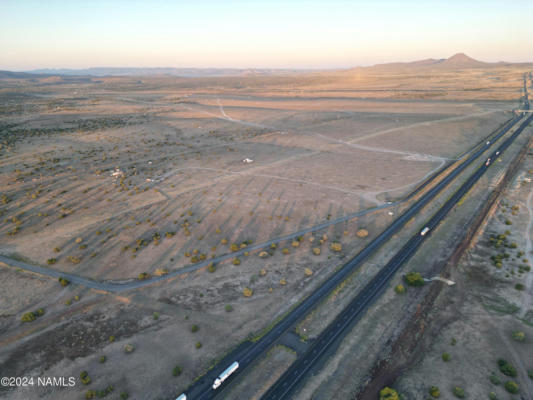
(457, 61)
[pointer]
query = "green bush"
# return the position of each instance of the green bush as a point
(198, 345)
(492, 396)
(446, 357)
(102, 359)
(194, 328)
(85, 378)
(211, 267)
(176, 371)
(63, 281)
(28, 317)
(388, 393)
(458, 392)
(511, 387)
(494, 379)
(228, 308)
(124, 395)
(530, 373)
(400, 289)
(143, 276)
(414, 279)
(51, 261)
(506, 368)
(519, 336)
(434, 391)
(519, 286)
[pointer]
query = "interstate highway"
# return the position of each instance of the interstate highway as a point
(356, 309)
(202, 389)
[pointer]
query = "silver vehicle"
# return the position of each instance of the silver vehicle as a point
(424, 231)
(225, 374)
(181, 397)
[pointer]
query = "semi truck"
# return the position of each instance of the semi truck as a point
(225, 374)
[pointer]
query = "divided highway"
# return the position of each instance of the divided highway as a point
(356, 309)
(203, 390)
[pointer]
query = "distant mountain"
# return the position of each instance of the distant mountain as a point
(461, 60)
(457, 61)
(181, 72)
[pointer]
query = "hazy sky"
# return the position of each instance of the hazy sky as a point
(273, 33)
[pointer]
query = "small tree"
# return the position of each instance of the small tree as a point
(414, 279)
(434, 391)
(388, 393)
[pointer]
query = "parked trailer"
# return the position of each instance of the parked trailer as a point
(225, 374)
(424, 231)
(181, 397)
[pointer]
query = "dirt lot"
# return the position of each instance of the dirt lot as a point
(111, 178)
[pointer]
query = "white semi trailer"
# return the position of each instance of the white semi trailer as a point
(225, 374)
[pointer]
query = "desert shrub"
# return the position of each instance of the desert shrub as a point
(295, 243)
(285, 251)
(263, 254)
(400, 289)
(195, 259)
(82, 246)
(74, 259)
(176, 371)
(308, 272)
(273, 246)
(414, 279)
(492, 396)
(194, 328)
(124, 396)
(85, 378)
(519, 286)
(224, 241)
(262, 272)
(170, 234)
(494, 379)
(143, 276)
(388, 393)
(28, 317)
(155, 315)
(283, 282)
(316, 251)
(335, 246)
(234, 247)
(63, 281)
(57, 249)
(247, 292)
(51, 261)
(458, 392)
(236, 261)
(78, 240)
(161, 271)
(506, 368)
(111, 339)
(519, 336)
(508, 222)
(128, 348)
(434, 391)
(198, 345)
(211, 267)
(102, 359)
(530, 373)
(362, 233)
(228, 308)
(446, 357)
(511, 387)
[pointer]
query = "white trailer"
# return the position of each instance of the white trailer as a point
(181, 397)
(225, 374)
(424, 231)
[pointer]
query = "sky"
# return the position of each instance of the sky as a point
(258, 34)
